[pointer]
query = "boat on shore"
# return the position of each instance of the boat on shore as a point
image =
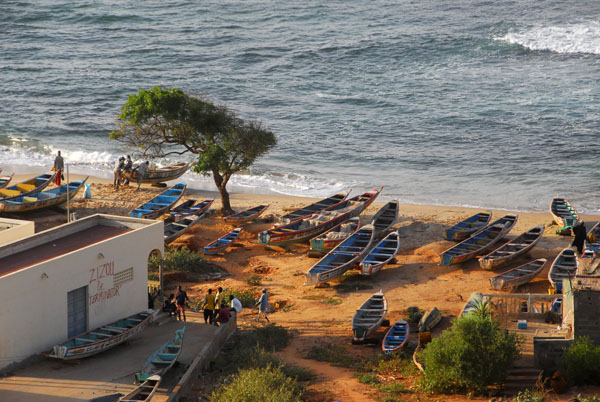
(369, 317)
(163, 359)
(173, 230)
(327, 241)
(564, 266)
(342, 258)
(102, 338)
(43, 199)
(188, 208)
(509, 251)
(396, 337)
(515, 277)
(563, 213)
(479, 242)
(304, 229)
(313, 208)
(593, 238)
(246, 215)
(385, 218)
(144, 392)
(222, 243)
(4, 180)
(380, 255)
(465, 228)
(158, 175)
(27, 187)
(430, 319)
(160, 204)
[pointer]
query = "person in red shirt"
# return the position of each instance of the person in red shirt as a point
(224, 315)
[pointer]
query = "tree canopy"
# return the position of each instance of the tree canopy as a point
(162, 122)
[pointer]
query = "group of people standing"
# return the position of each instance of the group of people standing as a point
(125, 165)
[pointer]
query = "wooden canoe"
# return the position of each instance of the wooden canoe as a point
(159, 175)
(4, 180)
(396, 337)
(589, 261)
(160, 204)
(381, 254)
(43, 199)
(313, 208)
(385, 218)
(593, 238)
(369, 317)
(514, 248)
(479, 242)
(342, 258)
(246, 215)
(304, 229)
(189, 209)
(27, 187)
(222, 243)
(102, 338)
(564, 266)
(563, 213)
(430, 319)
(464, 229)
(518, 276)
(173, 230)
(327, 241)
(144, 392)
(163, 359)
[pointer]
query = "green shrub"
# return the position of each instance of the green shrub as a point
(367, 378)
(247, 297)
(581, 361)
(332, 301)
(394, 388)
(529, 396)
(270, 337)
(337, 355)
(472, 355)
(253, 280)
(266, 384)
(181, 259)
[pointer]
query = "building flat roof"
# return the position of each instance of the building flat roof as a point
(59, 246)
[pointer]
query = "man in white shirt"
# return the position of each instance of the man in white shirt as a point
(236, 305)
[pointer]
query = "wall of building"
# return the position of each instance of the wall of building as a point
(33, 313)
(14, 229)
(586, 315)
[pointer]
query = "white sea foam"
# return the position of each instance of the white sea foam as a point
(575, 38)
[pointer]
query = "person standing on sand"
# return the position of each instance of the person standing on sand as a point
(181, 298)
(580, 234)
(218, 302)
(59, 166)
(209, 307)
(263, 305)
(141, 170)
(236, 304)
(127, 169)
(119, 165)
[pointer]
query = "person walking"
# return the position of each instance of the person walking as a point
(580, 234)
(219, 303)
(59, 166)
(127, 169)
(209, 307)
(263, 305)
(119, 165)
(181, 298)
(141, 171)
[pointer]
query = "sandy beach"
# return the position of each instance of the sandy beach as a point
(415, 279)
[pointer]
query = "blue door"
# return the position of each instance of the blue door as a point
(77, 311)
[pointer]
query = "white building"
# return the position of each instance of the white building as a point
(13, 229)
(78, 276)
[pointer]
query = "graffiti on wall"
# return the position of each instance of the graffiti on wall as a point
(101, 285)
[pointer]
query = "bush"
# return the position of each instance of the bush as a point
(529, 396)
(253, 280)
(247, 297)
(181, 259)
(472, 355)
(581, 361)
(260, 384)
(337, 355)
(270, 337)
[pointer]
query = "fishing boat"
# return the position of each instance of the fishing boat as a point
(564, 267)
(246, 215)
(396, 337)
(518, 276)
(157, 175)
(304, 229)
(163, 359)
(4, 180)
(342, 258)
(479, 242)
(563, 213)
(430, 319)
(188, 208)
(385, 218)
(103, 338)
(43, 199)
(313, 208)
(222, 243)
(327, 241)
(369, 317)
(473, 304)
(464, 229)
(161, 203)
(173, 230)
(144, 392)
(588, 261)
(514, 248)
(27, 187)
(593, 238)
(381, 254)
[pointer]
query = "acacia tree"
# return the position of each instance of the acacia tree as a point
(163, 122)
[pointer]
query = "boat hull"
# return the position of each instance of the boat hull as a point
(43, 199)
(396, 337)
(369, 317)
(513, 249)
(160, 204)
(160, 175)
(518, 276)
(380, 255)
(464, 229)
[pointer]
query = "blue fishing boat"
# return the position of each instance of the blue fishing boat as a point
(381, 254)
(565, 266)
(246, 215)
(563, 213)
(313, 208)
(43, 199)
(4, 180)
(467, 227)
(31, 186)
(396, 337)
(163, 359)
(188, 209)
(222, 243)
(161, 203)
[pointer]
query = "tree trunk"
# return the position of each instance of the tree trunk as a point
(221, 183)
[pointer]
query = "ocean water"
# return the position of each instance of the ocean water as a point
(474, 103)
